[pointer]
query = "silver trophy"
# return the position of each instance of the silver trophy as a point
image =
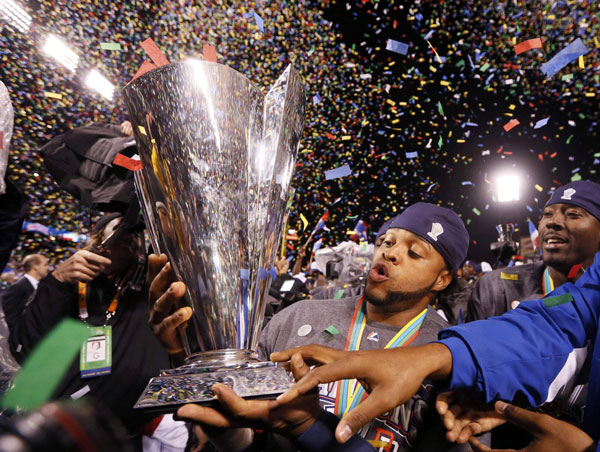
(217, 158)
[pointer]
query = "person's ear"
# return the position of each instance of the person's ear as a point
(442, 281)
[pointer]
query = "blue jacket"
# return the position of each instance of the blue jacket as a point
(549, 340)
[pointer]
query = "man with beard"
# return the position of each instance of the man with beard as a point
(569, 237)
(416, 256)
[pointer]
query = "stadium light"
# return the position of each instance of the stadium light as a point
(15, 15)
(508, 187)
(59, 51)
(100, 84)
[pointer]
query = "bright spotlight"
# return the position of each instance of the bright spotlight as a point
(508, 188)
(58, 50)
(101, 85)
(15, 15)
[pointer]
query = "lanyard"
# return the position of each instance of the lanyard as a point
(349, 392)
(82, 293)
(548, 284)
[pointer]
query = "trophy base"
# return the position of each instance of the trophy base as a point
(191, 383)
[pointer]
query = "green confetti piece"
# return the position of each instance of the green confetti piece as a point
(110, 46)
(46, 366)
(332, 330)
(569, 139)
(476, 211)
(567, 77)
(440, 109)
(440, 142)
(339, 294)
(558, 300)
(575, 177)
(484, 67)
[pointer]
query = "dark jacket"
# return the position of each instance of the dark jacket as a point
(496, 291)
(14, 299)
(81, 163)
(137, 354)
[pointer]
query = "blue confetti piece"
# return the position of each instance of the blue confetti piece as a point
(412, 155)
(397, 46)
(541, 123)
(259, 22)
(564, 57)
(316, 99)
(467, 182)
(341, 171)
(244, 273)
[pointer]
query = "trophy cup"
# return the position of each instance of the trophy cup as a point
(217, 158)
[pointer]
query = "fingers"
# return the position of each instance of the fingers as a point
(528, 420)
(93, 259)
(298, 366)
(376, 404)
(155, 264)
(466, 432)
(311, 354)
(173, 321)
(334, 371)
(477, 446)
(246, 411)
(161, 282)
(443, 401)
(204, 415)
(165, 304)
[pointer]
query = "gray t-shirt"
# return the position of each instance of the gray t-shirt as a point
(407, 427)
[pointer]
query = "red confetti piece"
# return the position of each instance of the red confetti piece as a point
(154, 52)
(511, 124)
(210, 53)
(528, 45)
(127, 162)
(147, 66)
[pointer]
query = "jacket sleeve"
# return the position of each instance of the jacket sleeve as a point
(486, 294)
(53, 301)
(13, 302)
(535, 350)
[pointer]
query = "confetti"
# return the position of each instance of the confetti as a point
(110, 46)
(511, 124)
(397, 46)
(541, 123)
(335, 173)
(567, 55)
(528, 45)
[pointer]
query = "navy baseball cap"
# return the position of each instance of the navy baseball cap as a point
(581, 193)
(441, 227)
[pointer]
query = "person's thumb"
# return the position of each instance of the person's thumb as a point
(360, 416)
(528, 420)
(298, 366)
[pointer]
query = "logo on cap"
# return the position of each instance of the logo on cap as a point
(568, 193)
(436, 231)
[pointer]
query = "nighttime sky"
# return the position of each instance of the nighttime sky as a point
(423, 124)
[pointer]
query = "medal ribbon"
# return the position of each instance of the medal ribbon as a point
(349, 392)
(82, 294)
(547, 283)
